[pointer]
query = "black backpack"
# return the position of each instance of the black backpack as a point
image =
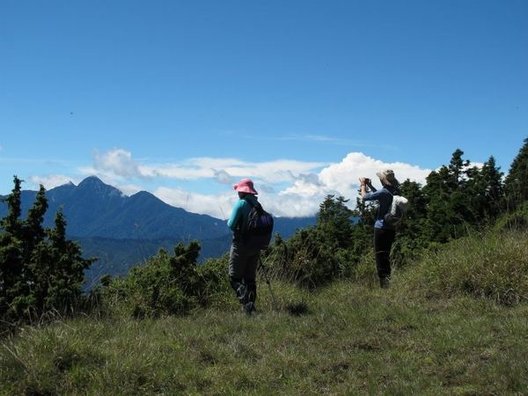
(259, 228)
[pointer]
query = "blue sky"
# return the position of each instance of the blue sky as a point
(184, 98)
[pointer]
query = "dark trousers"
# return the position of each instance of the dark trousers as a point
(243, 264)
(383, 240)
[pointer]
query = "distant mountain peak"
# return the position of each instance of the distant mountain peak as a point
(90, 180)
(142, 193)
(94, 184)
(145, 196)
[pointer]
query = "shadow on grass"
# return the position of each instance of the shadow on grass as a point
(297, 309)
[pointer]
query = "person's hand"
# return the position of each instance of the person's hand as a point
(364, 181)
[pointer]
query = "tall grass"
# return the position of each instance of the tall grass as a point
(491, 265)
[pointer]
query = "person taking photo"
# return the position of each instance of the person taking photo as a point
(384, 234)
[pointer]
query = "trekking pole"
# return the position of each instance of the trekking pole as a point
(267, 279)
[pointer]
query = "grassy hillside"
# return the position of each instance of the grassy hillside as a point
(455, 323)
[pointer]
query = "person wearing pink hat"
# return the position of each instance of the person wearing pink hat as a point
(384, 234)
(243, 260)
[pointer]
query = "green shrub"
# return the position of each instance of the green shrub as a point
(306, 259)
(215, 290)
(168, 285)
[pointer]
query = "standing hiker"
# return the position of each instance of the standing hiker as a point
(384, 233)
(243, 259)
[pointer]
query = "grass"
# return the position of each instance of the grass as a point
(491, 265)
(348, 338)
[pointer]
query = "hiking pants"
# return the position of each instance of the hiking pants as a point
(243, 264)
(383, 240)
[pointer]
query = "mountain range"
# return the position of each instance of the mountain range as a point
(121, 231)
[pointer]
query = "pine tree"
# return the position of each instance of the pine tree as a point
(485, 192)
(456, 170)
(11, 253)
(11, 223)
(67, 266)
(40, 269)
(37, 265)
(32, 229)
(411, 235)
(334, 221)
(516, 185)
(448, 206)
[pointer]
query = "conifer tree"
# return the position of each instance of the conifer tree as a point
(446, 194)
(11, 252)
(516, 185)
(485, 193)
(11, 223)
(67, 266)
(334, 221)
(32, 228)
(456, 170)
(35, 268)
(40, 269)
(494, 187)
(411, 239)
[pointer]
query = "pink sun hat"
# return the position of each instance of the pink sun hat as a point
(245, 186)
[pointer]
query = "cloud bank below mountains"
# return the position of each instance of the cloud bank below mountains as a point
(287, 188)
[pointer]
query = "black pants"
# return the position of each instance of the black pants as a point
(383, 240)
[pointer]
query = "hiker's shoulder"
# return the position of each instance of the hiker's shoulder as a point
(244, 205)
(250, 201)
(376, 194)
(387, 192)
(239, 205)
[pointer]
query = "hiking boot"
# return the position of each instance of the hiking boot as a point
(384, 283)
(249, 308)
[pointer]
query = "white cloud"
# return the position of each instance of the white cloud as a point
(287, 188)
(344, 176)
(292, 204)
(305, 184)
(51, 181)
(304, 191)
(223, 177)
(308, 191)
(198, 168)
(127, 189)
(118, 162)
(218, 205)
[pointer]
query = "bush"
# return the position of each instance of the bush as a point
(306, 259)
(168, 285)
